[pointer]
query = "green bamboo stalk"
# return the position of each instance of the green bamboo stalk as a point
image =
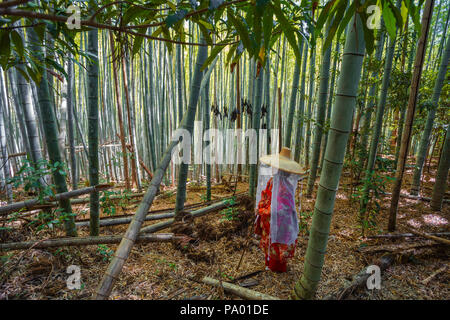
(330, 99)
(441, 181)
(295, 82)
(253, 175)
(320, 117)
(378, 125)
(340, 128)
(51, 138)
(312, 56)
(301, 109)
(93, 118)
(425, 140)
(189, 125)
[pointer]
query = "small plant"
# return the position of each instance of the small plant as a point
(224, 275)
(229, 214)
(32, 177)
(106, 203)
(104, 251)
(303, 221)
(377, 185)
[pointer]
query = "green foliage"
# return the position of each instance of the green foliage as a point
(31, 177)
(229, 214)
(105, 252)
(303, 224)
(377, 183)
(224, 275)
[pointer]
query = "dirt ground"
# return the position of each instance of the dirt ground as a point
(165, 270)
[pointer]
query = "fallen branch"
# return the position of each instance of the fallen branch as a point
(405, 235)
(237, 290)
(396, 248)
(428, 236)
(51, 243)
(360, 279)
(434, 274)
(33, 203)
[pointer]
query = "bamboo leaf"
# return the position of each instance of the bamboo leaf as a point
(389, 21)
(241, 30)
(214, 52)
(17, 41)
(333, 28)
(288, 30)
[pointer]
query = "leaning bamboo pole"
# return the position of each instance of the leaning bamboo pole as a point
(105, 287)
(86, 241)
(30, 204)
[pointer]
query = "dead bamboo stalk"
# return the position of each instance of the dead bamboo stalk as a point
(429, 236)
(125, 220)
(51, 243)
(238, 290)
(195, 214)
(30, 204)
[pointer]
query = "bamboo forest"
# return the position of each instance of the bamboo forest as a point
(224, 150)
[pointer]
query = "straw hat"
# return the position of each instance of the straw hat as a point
(283, 162)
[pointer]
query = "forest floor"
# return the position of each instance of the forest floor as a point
(163, 270)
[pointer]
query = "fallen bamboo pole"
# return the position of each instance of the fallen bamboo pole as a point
(78, 201)
(195, 214)
(238, 290)
(51, 243)
(33, 203)
(125, 220)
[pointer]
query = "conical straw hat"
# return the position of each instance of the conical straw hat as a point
(283, 162)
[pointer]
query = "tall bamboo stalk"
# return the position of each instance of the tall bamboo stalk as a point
(340, 128)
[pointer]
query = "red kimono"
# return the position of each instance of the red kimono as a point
(276, 254)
